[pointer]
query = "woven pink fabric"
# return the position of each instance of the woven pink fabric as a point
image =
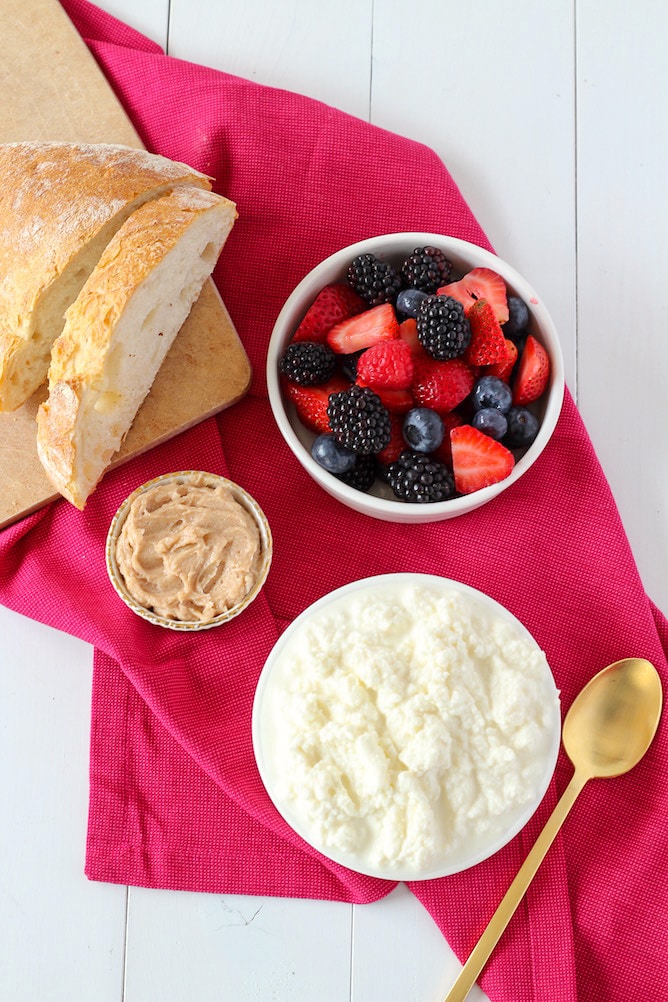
(176, 800)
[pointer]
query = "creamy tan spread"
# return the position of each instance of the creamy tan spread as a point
(189, 551)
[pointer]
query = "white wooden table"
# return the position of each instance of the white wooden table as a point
(552, 119)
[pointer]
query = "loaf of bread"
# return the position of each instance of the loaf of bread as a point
(119, 329)
(60, 205)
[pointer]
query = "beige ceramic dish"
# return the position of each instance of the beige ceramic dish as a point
(185, 477)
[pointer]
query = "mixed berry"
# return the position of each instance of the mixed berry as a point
(416, 381)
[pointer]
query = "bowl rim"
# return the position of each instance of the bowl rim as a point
(262, 758)
(240, 495)
(370, 504)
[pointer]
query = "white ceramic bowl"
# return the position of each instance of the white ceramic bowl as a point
(287, 711)
(200, 477)
(394, 247)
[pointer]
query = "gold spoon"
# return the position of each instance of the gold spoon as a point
(607, 730)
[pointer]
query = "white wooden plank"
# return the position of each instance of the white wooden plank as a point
(490, 87)
(317, 49)
(150, 17)
(622, 255)
(61, 937)
(227, 948)
(399, 953)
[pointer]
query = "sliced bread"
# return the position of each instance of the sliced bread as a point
(60, 204)
(119, 330)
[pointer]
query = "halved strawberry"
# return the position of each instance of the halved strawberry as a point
(480, 283)
(477, 459)
(504, 369)
(533, 373)
(333, 304)
(397, 442)
(388, 364)
(364, 329)
(408, 333)
(395, 401)
(311, 401)
(444, 452)
(441, 385)
(488, 344)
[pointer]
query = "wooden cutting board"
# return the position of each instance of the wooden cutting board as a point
(51, 88)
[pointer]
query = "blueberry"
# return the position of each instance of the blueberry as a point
(491, 421)
(492, 392)
(522, 428)
(331, 456)
(423, 429)
(518, 318)
(409, 300)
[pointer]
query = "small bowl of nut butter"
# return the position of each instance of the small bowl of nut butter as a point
(189, 550)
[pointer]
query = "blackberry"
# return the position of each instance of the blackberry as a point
(442, 327)
(362, 475)
(307, 363)
(358, 420)
(374, 280)
(426, 269)
(420, 479)
(348, 364)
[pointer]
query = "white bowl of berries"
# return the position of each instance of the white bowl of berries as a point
(415, 376)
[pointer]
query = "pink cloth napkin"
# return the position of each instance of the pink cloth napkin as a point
(176, 800)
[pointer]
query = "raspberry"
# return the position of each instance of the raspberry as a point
(358, 420)
(417, 478)
(374, 280)
(442, 327)
(307, 363)
(426, 269)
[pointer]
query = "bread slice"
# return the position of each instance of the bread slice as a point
(119, 330)
(60, 204)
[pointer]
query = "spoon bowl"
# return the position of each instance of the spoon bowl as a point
(612, 721)
(607, 730)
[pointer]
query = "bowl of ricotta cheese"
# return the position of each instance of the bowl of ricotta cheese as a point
(406, 726)
(189, 550)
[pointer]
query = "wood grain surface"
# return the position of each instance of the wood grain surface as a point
(53, 89)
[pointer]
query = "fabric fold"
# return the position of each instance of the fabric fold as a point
(176, 800)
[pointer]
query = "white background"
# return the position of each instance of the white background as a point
(552, 120)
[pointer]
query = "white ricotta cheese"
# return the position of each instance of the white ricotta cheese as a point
(408, 725)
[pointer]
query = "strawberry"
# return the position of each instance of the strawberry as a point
(388, 364)
(444, 452)
(364, 329)
(311, 402)
(397, 442)
(477, 459)
(395, 401)
(333, 304)
(504, 369)
(481, 283)
(408, 333)
(533, 373)
(441, 385)
(488, 344)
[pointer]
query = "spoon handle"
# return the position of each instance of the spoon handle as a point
(511, 899)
